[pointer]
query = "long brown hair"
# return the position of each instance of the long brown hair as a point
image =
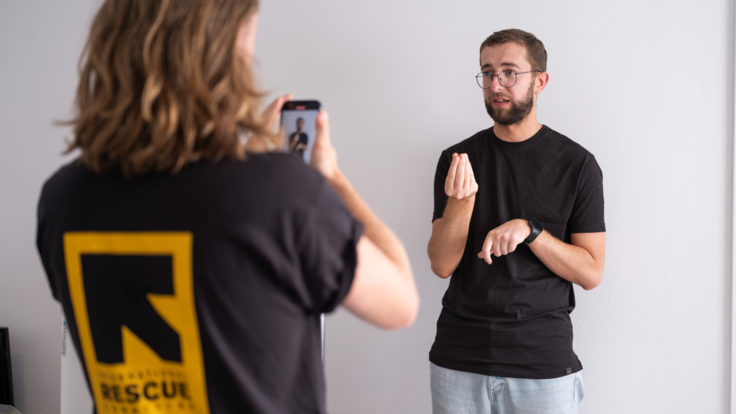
(161, 85)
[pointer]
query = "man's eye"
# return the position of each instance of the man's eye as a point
(487, 74)
(508, 72)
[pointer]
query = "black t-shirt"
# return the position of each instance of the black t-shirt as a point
(511, 318)
(296, 139)
(199, 292)
(299, 137)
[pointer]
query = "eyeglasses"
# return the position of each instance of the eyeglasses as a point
(507, 78)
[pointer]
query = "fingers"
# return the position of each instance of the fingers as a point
(460, 177)
(503, 249)
(497, 248)
(460, 182)
(472, 175)
(468, 174)
(485, 253)
(450, 181)
(494, 247)
(503, 240)
(273, 111)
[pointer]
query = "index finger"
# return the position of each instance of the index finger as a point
(452, 172)
(272, 111)
(485, 254)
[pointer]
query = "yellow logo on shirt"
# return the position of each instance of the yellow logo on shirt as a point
(133, 300)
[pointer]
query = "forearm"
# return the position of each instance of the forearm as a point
(447, 244)
(570, 262)
(373, 228)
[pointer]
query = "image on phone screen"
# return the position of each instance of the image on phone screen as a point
(298, 120)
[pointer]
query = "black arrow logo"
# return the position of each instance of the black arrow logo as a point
(116, 287)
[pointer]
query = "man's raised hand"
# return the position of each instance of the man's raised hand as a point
(460, 182)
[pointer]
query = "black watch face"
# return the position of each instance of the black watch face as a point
(536, 224)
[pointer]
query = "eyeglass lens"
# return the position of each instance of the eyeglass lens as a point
(506, 78)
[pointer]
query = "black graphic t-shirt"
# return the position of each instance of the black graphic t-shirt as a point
(199, 292)
(511, 318)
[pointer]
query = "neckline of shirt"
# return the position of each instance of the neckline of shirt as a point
(517, 145)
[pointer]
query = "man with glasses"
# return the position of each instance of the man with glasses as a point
(518, 218)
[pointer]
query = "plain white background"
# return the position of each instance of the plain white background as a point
(645, 86)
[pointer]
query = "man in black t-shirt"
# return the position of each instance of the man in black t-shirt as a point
(299, 139)
(514, 242)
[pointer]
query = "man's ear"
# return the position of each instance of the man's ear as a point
(541, 82)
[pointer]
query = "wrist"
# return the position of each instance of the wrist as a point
(526, 226)
(337, 179)
(467, 199)
(535, 229)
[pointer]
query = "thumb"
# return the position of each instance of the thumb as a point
(323, 127)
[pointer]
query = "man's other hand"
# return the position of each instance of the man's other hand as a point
(460, 182)
(503, 239)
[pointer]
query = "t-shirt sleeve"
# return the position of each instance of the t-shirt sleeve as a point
(327, 252)
(587, 212)
(440, 197)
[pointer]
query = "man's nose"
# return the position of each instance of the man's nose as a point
(496, 84)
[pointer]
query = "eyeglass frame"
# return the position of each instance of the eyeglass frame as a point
(516, 77)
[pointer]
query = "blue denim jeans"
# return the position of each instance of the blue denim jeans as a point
(458, 392)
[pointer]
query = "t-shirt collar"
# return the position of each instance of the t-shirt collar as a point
(516, 145)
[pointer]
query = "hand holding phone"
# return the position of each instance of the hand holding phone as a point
(324, 156)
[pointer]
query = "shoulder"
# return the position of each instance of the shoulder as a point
(277, 167)
(568, 152)
(566, 145)
(73, 181)
(275, 176)
(64, 180)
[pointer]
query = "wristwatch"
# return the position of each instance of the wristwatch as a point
(537, 229)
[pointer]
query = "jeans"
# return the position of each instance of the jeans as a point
(458, 392)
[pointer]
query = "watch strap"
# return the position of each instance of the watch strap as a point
(537, 229)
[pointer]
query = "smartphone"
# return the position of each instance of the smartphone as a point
(298, 121)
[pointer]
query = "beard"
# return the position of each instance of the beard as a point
(515, 113)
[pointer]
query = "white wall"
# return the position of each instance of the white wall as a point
(397, 79)
(40, 43)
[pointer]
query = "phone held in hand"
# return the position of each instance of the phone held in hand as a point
(298, 120)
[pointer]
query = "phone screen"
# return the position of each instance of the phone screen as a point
(298, 120)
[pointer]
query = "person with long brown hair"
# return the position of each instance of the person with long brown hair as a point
(191, 261)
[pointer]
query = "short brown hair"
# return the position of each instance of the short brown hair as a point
(162, 85)
(534, 47)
